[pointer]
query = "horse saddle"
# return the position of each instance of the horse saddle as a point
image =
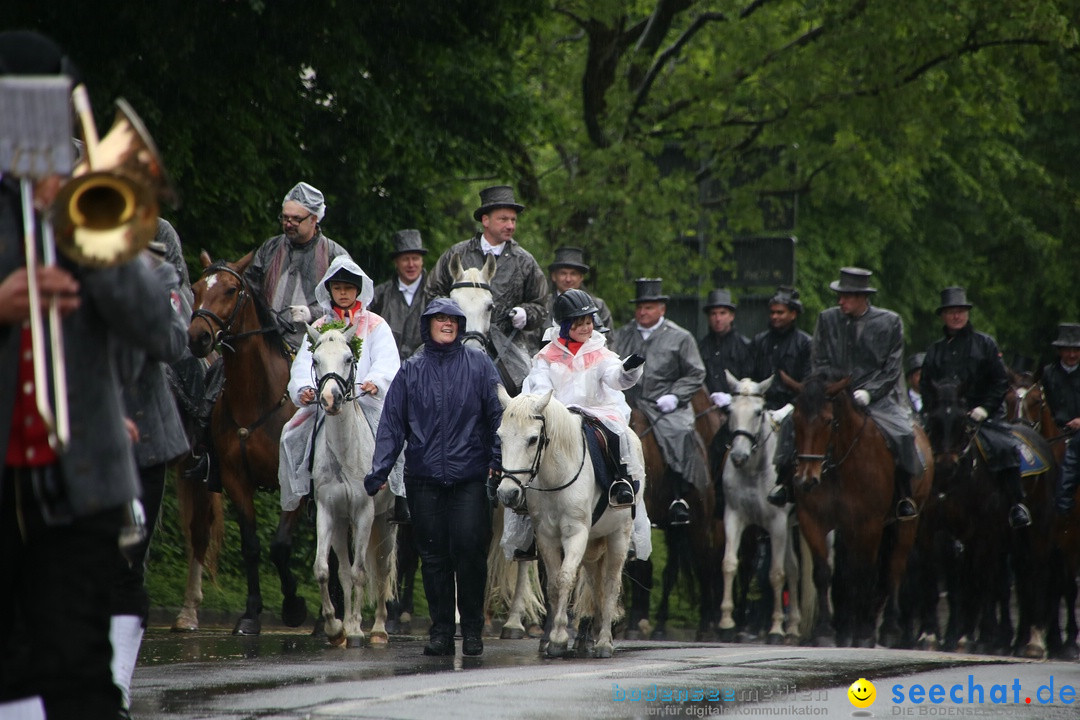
(603, 449)
(1032, 461)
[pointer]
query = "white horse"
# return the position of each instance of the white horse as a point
(544, 455)
(748, 477)
(343, 449)
(515, 585)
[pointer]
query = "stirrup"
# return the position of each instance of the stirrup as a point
(621, 488)
(679, 512)
(906, 509)
(1019, 516)
(779, 495)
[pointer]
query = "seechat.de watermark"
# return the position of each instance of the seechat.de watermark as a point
(972, 693)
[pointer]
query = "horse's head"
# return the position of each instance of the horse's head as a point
(815, 419)
(333, 367)
(523, 436)
(471, 290)
(947, 424)
(747, 418)
(221, 295)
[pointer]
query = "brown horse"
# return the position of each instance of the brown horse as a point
(247, 419)
(696, 548)
(1034, 410)
(844, 482)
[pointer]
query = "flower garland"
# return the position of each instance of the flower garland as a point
(355, 344)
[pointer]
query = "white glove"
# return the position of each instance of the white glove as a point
(978, 414)
(667, 403)
(862, 398)
(720, 399)
(300, 313)
(518, 318)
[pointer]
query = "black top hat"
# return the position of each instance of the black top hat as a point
(915, 362)
(408, 241)
(953, 297)
(1068, 336)
(787, 295)
(497, 196)
(569, 257)
(648, 290)
(853, 280)
(720, 297)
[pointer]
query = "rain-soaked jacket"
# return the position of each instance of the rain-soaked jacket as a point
(870, 349)
(378, 363)
(444, 402)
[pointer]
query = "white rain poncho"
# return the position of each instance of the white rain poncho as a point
(592, 379)
(378, 364)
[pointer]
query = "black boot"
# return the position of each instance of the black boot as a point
(401, 512)
(781, 494)
(621, 494)
(527, 554)
(1019, 516)
(906, 508)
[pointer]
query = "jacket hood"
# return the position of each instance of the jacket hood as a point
(344, 262)
(441, 305)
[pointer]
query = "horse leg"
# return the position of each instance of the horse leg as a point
(354, 574)
(249, 623)
(407, 562)
(609, 584)
(382, 559)
(778, 541)
(321, 570)
(565, 578)
(201, 521)
(187, 620)
(677, 543)
(792, 575)
(733, 528)
(294, 610)
(639, 573)
(822, 634)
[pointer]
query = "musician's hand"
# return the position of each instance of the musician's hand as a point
(307, 395)
(45, 191)
(53, 282)
(369, 387)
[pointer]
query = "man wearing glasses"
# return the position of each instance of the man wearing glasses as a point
(288, 267)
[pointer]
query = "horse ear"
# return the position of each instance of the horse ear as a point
(732, 381)
(350, 333)
(204, 258)
(489, 268)
(242, 263)
(313, 333)
(837, 386)
(790, 381)
(504, 397)
(542, 403)
(456, 270)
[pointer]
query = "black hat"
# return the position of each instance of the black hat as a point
(573, 303)
(569, 257)
(720, 297)
(408, 241)
(345, 275)
(648, 290)
(853, 280)
(1068, 336)
(953, 297)
(787, 295)
(915, 362)
(497, 196)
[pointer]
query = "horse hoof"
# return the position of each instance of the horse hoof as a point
(928, 643)
(378, 638)
(775, 639)
(825, 641)
(1032, 651)
(556, 650)
(603, 651)
(179, 626)
(866, 642)
(512, 633)
(357, 641)
(745, 637)
(393, 626)
(727, 634)
(791, 639)
(1069, 652)
(658, 634)
(247, 626)
(294, 611)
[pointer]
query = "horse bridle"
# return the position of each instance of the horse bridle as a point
(532, 471)
(481, 338)
(827, 463)
(755, 438)
(223, 336)
(348, 385)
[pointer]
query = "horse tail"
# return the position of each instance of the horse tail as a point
(503, 577)
(202, 521)
(381, 561)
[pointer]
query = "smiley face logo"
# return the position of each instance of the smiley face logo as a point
(862, 693)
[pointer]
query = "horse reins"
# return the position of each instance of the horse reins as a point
(534, 470)
(752, 437)
(222, 336)
(827, 464)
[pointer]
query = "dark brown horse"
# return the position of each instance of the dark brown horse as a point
(1034, 410)
(247, 419)
(695, 548)
(844, 482)
(975, 510)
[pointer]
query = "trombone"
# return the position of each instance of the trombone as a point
(102, 217)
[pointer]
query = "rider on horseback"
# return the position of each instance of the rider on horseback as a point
(973, 359)
(1061, 390)
(867, 343)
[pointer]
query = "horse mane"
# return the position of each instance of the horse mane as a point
(266, 317)
(811, 401)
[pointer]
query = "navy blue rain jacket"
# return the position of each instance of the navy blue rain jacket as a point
(444, 402)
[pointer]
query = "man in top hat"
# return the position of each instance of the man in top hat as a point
(519, 289)
(782, 347)
(973, 359)
(287, 268)
(914, 376)
(722, 349)
(399, 299)
(568, 273)
(673, 373)
(867, 343)
(1061, 391)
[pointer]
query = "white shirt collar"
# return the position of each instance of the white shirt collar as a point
(409, 291)
(646, 332)
(489, 249)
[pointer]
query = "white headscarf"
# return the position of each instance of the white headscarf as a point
(309, 197)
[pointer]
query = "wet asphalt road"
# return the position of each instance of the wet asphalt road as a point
(288, 676)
